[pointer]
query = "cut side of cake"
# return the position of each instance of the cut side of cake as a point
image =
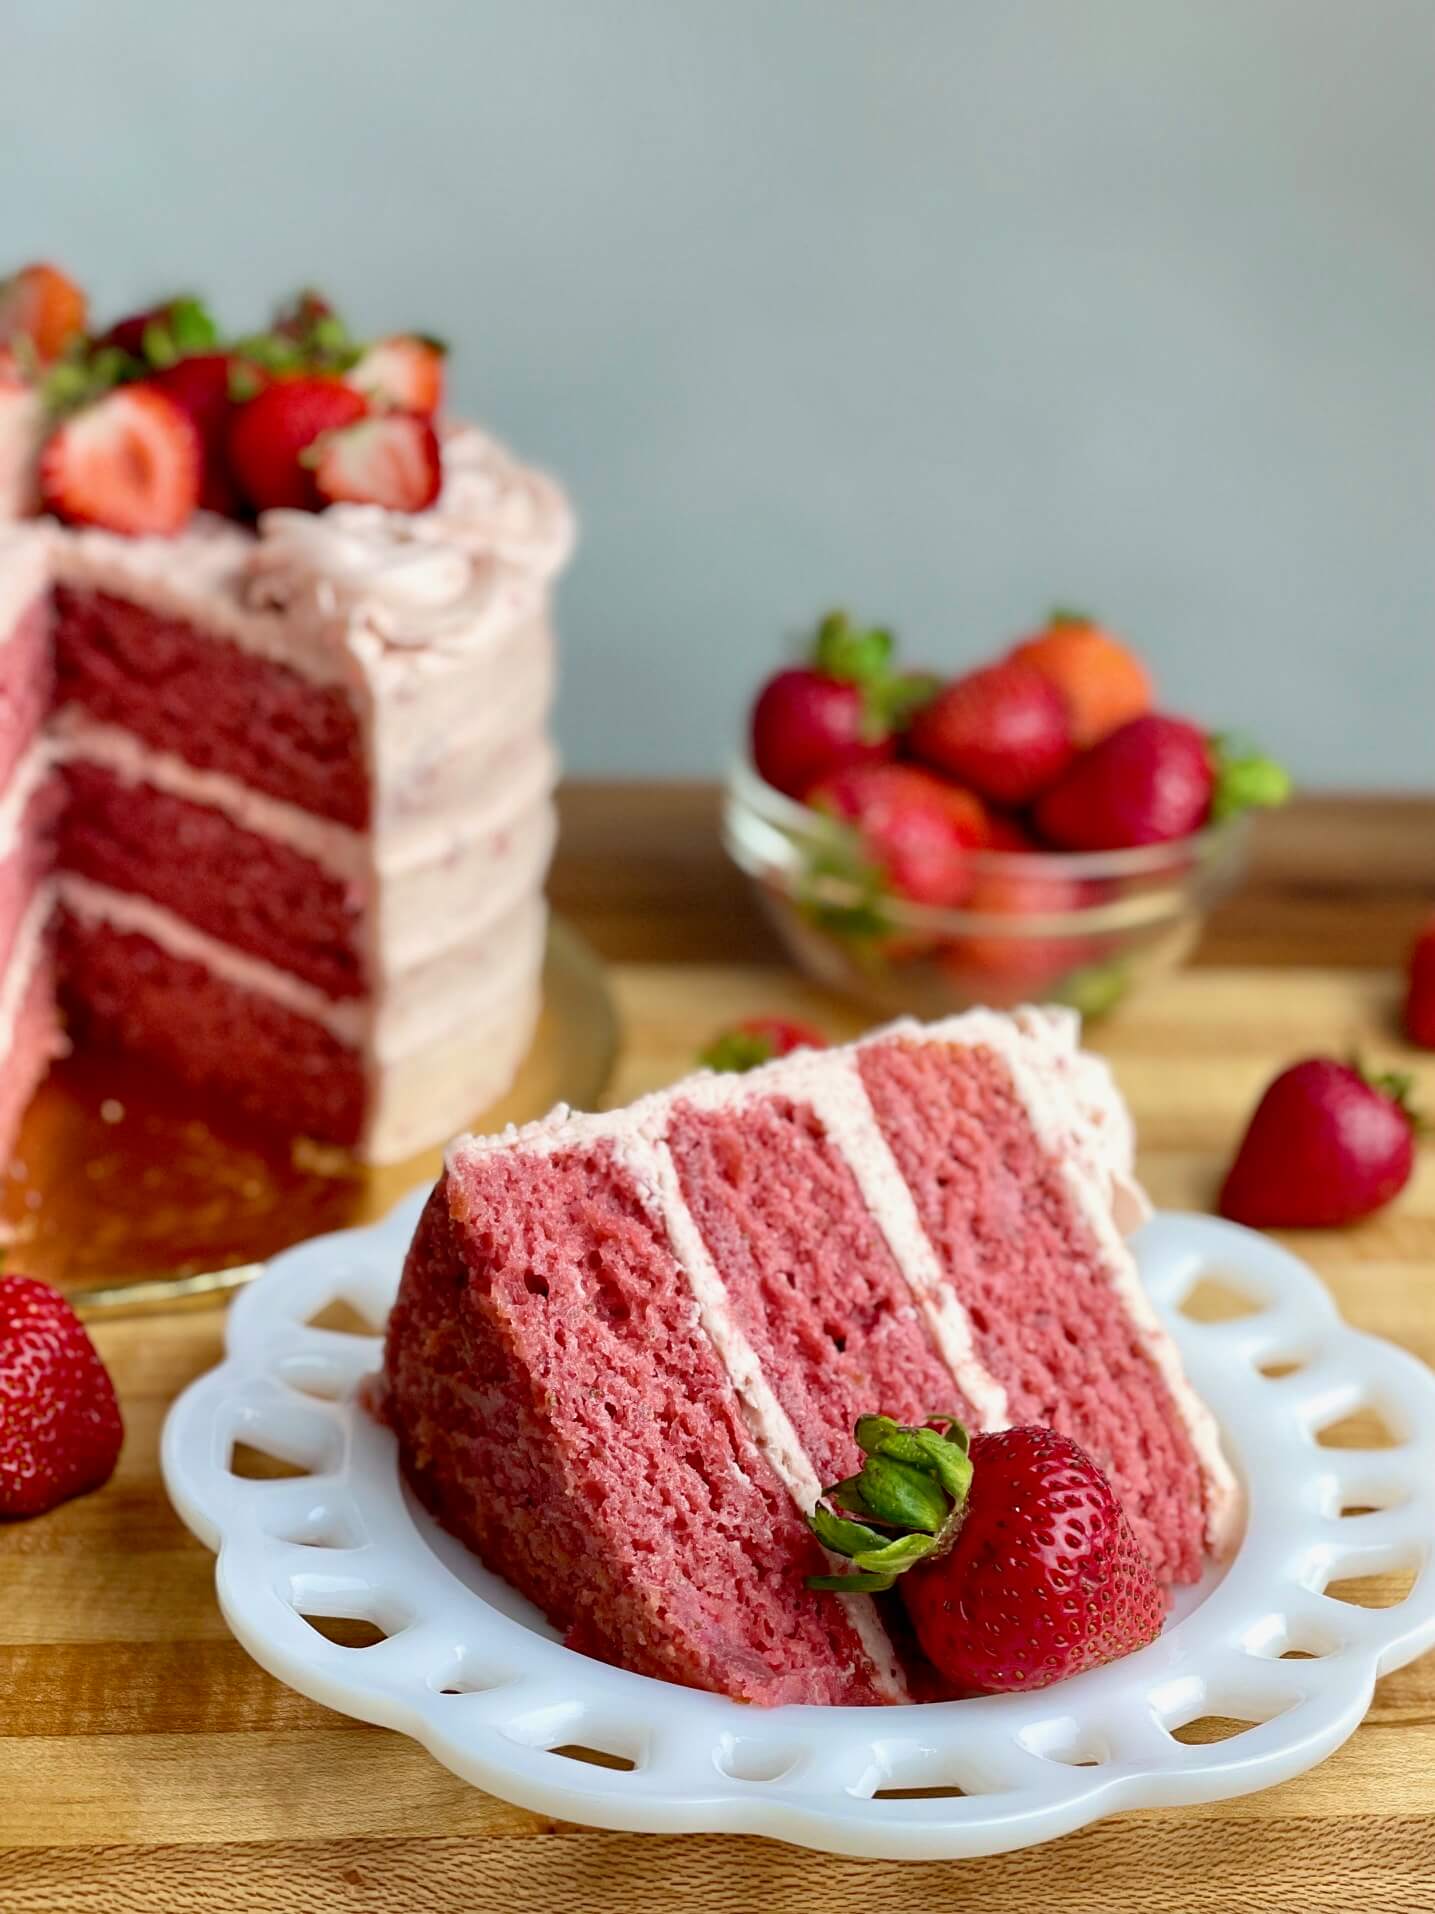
(629, 1350)
(277, 803)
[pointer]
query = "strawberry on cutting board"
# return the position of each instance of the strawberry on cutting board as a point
(131, 462)
(1326, 1145)
(60, 1427)
(1004, 730)
(1420, 995)
(1011, 1552)
(758, 1040)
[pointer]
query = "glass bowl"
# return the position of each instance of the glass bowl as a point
(1083, 928)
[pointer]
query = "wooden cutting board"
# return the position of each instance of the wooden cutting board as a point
(146, 1763)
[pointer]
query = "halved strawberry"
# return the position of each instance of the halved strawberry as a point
(391, 459)
(267, 436)
(45, 306)
(130, 463)
(404, 372)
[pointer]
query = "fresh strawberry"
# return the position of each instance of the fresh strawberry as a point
(805, 726)
(1154, 780)
(60, 1427)
(834, 711)
(758, 1040)
(1014, 1560)
(391, 459)
(1004, 730)
(404, 373)
(268, 436)
(1151, 781)
(1017, 954)
(1105, 684)
(130, 462)
(918, 839)
(200, 387)
(1326, 1146)
(162, 335)
(1420, 997)
(43, 306)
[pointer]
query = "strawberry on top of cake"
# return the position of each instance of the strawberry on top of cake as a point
(629, 1350)
(276, 663)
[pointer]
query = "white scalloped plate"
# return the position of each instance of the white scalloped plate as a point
(469, 1669)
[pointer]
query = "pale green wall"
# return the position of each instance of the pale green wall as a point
(944, 307)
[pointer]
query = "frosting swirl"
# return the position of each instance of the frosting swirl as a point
(416, 578)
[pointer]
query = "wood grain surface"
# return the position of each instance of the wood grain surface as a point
(147, 1764)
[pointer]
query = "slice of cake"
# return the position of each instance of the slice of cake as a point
(629, 1350)
(275, 787)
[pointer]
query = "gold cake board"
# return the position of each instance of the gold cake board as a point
(132, 1195)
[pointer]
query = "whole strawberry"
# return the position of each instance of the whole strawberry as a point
(60, 1428)
(841, 708)
(1004, 730)
(917, 831)
(1103, 681)
(1326, 1146)
(1012, 1555)
(1420, 997)
(1153, 780)
(758, 1040)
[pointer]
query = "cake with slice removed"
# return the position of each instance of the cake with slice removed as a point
(629, 1350)
(276, 663)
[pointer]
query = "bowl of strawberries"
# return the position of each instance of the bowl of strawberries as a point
(1034, 830)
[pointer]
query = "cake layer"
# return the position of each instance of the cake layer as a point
(807, 1274)
(29, 808)
(211, 703)
(419, 889)
(26, 685)
(122, 988)
(29, 1027)
(436, 1088)
(1025, 1255)
(560, 1409)
(245, 889)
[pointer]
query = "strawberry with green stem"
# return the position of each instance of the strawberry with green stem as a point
(843, 707)
(1013, 1558)
(758, 1040)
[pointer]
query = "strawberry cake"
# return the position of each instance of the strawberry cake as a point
(629, 1350)
(275, 670)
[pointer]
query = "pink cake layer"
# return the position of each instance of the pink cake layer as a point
(245, 889)
(26, 685)
(1024, 1263)
(34, 1041)
(811, 1281)
(209, 702)
(28, 863)
(122, 989)
(560, 1410)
